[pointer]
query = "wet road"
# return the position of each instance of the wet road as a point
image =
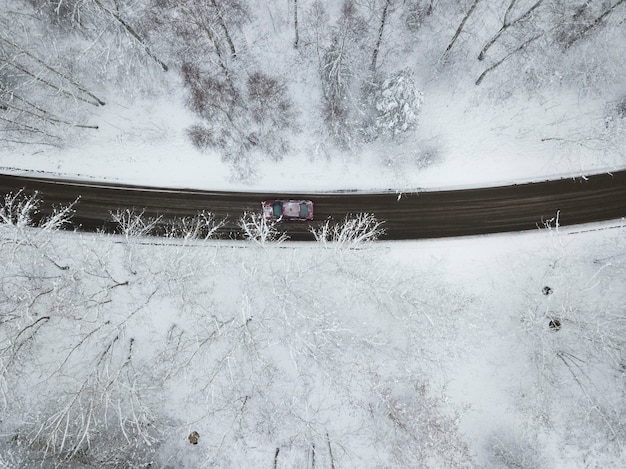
(412, 216)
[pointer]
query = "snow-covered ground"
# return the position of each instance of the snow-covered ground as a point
(463, 140)
(383, 356)
(393, 355)
(486, 356)
(496, 376)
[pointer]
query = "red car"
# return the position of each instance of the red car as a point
(290, 210)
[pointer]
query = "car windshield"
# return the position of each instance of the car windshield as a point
(277, 207)
(304, 210)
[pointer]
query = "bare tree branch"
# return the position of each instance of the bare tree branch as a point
(594, 24)
(41, 62)
(351, 233)
(48, 118)
(133, 33)
(13, 95)
(498, 63)
(460, 28)
(220, 19)
(506, 24)
(52, 85)
(28, 128)
(256, 228)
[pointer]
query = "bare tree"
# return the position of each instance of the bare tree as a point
(80, 88)
(404, 411)
(50, 78)
(509, 447)
(495, 65)
(586, 27)
(202, 226)
(259, 230)
(381, 30)
(339, 68)
(506, 23)
(134, 225)
(92, 403)
(210, 24)
(246, 113)
(132, 32)
(280, 351)
(459, 29)
(352, 232)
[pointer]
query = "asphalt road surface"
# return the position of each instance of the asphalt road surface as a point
(417, 215)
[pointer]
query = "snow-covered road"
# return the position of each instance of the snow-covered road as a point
(428, 214)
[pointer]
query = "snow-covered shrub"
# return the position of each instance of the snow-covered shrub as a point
(508, 448)
(415, 425)
(427, 155)
(398, 103)
(256, 228)
(18, 210)
(203, 225)
(21, 210)
(352, 232)
(134, 224)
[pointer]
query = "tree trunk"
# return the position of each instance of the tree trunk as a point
(276, 458)
(330, 452)
(46, 118)
(41, 62)
(53, 86)
(460, 28)
(594, 24)
(383, 20)
(15, 96)
(133, 33)
(295, 23)
(28, 128)
(505, 24)
(495, 65)
(220, 18)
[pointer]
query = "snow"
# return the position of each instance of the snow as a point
(463, 140)
(326, 334)
(482, 295)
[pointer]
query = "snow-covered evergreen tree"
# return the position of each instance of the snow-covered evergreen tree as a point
(398, 104)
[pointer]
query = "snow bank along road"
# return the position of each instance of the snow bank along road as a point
(412, 216)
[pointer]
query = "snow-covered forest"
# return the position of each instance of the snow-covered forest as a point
(402, 84)
(339, 353)
(494, 352)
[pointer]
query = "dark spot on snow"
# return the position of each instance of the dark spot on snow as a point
(194, 437)
(621, 108)
(546, 290)
(554, 324)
